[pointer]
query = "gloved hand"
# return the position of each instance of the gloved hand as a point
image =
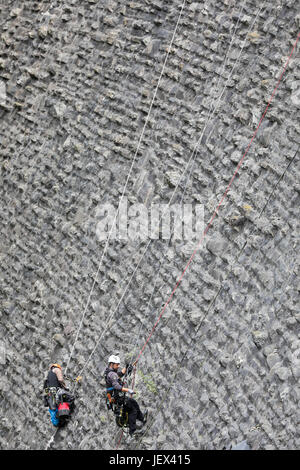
(129, 368)
(130, 391)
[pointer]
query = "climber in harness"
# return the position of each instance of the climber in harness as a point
(57, 396)
(126, 409)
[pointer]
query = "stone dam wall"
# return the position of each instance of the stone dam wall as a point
(77, 81)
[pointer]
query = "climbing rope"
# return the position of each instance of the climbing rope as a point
(111, 316)
(178, 368)
(166, 208)
(106, 246)
(220, 203)
(162, 216)
(210, 115)
(218, 206)
(127, 179)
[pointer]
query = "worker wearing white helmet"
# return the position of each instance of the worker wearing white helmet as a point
(113, 376)
(113, 365)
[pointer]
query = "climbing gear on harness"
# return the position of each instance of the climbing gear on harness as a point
(118, 408)
(121, 415)
(116, 401)
(51, 396)
(60, 403)
(63, 410)
(78, 379)
(114, 359)
(109, 399)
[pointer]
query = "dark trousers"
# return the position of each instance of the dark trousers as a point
(134, 413)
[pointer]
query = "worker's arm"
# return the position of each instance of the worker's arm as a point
(129, 390)
(129, 367)
(116, 385)
(59, 376)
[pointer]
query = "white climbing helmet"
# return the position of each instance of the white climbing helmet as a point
(114, 359)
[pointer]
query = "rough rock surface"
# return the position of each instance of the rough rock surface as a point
(76, 84)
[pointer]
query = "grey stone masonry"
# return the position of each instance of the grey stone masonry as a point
(77, 79)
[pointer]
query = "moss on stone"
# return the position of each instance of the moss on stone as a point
(149, 382)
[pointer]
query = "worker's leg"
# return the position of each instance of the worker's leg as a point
(134, 404)
(54, 418)
(132, 415)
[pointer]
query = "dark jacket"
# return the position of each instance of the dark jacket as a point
(52, 380)
(113, 379)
